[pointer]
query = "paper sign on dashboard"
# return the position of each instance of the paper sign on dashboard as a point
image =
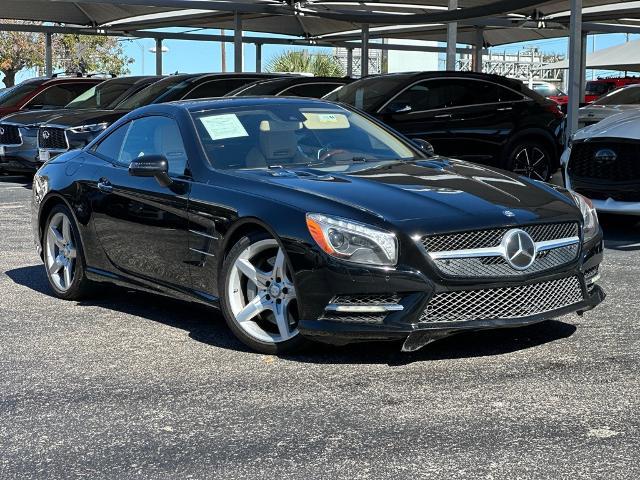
(224, 126)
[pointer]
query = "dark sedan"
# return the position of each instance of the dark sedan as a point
(312, 87)
(302, 219)
(477, 117)
(19, 131)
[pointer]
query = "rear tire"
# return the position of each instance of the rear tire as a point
(258, 297)
(63, 255)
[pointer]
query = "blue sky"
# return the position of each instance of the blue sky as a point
(190, 56)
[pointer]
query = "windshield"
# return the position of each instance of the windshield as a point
(365, 94)
(283, 135)
(598, 88)
(548, 90)
(101, 96)
(622, 96)
(165, 90)
(17, 93)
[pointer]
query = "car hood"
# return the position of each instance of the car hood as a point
(76, 118)
(598, 112)
(621, 125)
(437, 195)
(32, 117)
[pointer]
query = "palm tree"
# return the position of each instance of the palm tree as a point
(301, 61)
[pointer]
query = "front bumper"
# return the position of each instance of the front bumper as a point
(417, 291)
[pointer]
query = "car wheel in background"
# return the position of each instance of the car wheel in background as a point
(63, 255)
(530, 158)
(258, 296)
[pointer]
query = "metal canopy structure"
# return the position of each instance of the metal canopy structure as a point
(621, 57)
(350, 23)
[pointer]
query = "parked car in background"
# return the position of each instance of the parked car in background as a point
(71, 131)
(19, 131)
(43, 93)
(314, 87)
(483, 118)
(552, 92)
(603, 163)
(303, 219)
(625, 98)
(595, 89)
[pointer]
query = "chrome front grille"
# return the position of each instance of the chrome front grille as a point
(50, 138)
(478, 253)
(492, 237)
(10, 135)
(502, 303)
(498, 267)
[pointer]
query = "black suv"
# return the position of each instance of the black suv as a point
(313, 87)
(473, 116)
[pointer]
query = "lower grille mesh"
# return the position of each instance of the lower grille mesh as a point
(504, 302)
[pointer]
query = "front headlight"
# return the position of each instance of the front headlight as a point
(94, 127)
(353, 241)
(40, 188)
(591, 226)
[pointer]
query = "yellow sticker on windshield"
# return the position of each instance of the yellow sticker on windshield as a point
(325, 121)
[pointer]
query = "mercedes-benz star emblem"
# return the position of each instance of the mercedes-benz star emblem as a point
(46, 134)
(519, 249)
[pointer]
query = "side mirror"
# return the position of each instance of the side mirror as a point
(399, 107)
(151, 166)
(425, 146)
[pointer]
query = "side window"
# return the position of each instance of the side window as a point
(59, 95)
(111, 146)
(218, 88)
(155, 135)
(428, 95)
(313, 90)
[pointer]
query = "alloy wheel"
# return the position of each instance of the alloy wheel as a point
(532, 162)
(261, 294)
(61, 252)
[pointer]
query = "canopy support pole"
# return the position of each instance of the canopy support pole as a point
(583, 65)
(48, 61)
(575, 67)
(452, 38)
(364, 52)
(158, 56)
(477, 51)
(350, 62)
(258, 57)
(237, 42)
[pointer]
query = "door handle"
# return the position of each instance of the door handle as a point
(104, 185)
(444, 115)
(505, 109)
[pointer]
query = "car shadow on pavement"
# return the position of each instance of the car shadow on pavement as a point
(206, 325)
(621, 232)
(22, 180)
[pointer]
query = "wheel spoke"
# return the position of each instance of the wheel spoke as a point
(539, 176)
(258, 277)
(258, 305)
(68, 270)
(56, 265)
(56, 236)
(282, 319)
(66, 230)
(72, 253)
(279, 266)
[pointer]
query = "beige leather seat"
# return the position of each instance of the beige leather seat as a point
(277, 145)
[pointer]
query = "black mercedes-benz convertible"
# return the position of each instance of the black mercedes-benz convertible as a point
(303, 219)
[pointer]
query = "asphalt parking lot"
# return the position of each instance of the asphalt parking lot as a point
(128, 385)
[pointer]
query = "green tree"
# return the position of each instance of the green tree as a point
(71, 53)
(319, 64)
(19, 50)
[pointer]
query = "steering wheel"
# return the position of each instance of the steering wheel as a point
(328, 151)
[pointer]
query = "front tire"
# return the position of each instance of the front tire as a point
(63, 255)
(258, 298)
